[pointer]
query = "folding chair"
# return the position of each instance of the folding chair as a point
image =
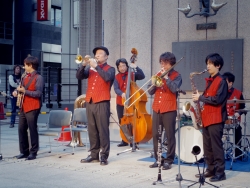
(79, 124)
(57, 119)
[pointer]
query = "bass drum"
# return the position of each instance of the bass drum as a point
(189, 137)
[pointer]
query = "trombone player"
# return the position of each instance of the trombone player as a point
(100, 77)
(165, 106)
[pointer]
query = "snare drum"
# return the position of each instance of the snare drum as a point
(189, 137)
(231, 123)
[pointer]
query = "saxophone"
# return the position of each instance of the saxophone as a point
(197, 108)
(20, 96)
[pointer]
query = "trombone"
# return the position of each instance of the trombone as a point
(158, 83)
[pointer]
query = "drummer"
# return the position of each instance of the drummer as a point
(234, 94)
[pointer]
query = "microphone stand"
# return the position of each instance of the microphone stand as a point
(179, 176)
(1, 156)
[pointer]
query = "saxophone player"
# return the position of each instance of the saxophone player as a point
(213, 116)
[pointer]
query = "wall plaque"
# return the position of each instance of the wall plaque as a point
(195, 53)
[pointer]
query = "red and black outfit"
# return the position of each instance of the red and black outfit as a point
(164, 112)
(213, 117)
(29, 113)
(120, 86)
(97, 99)
(235, 94)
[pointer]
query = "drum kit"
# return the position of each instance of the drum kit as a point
(243, 145)
(191, 137)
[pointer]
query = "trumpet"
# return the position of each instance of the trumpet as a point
(79, 59)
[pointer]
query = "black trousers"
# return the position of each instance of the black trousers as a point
(28, 120)
(167, 120)
(213, 148)
(98, 128)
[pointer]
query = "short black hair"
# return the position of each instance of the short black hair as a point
(31, 60)
(123, 60)
(168, 56)
(216, 59)
(229, 76)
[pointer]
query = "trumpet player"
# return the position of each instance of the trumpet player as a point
(164, 107)
(100, 77)
(213, 116)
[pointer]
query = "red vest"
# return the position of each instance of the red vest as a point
(98, 89)
(165, 100)
(212, 114)
(230, 110)
(122, 85)
(30, 103)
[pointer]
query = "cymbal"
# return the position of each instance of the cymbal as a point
(237, 101)
(244, 111)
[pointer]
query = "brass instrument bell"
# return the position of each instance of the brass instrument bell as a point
(78, 59)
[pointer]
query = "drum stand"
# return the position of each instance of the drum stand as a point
(245, 144)
(230, 151)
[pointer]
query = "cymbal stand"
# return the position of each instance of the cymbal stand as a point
(245, 142)
(233, 146)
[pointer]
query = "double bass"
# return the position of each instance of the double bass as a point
(135, 116)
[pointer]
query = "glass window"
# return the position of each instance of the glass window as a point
(56, 17)
(52, 15)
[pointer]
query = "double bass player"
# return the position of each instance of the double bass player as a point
(120, 86)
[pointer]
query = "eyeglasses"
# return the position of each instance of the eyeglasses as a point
(122, 66)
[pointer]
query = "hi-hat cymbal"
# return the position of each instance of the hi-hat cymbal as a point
(237, 101)
(244, 111)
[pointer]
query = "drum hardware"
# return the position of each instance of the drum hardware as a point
(230, 147)
(233, 101)
(196, 150)
(244, 140)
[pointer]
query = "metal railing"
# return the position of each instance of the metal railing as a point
(6, 30)
(58, 85)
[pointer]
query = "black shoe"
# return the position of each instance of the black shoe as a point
(155, 164)
(12, 125)
(218, 178)
(207, 174)
(21, 156)
(32, 156)
(122, 144)
(89, 159)
(104, 161)
(166, 166)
